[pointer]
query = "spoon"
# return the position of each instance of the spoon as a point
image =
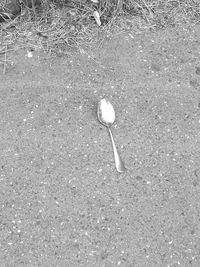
(106, 116)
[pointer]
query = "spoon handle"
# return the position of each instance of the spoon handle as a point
(118, 162)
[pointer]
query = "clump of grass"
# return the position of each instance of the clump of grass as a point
(60, 25)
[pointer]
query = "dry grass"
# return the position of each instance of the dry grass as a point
(59, 27)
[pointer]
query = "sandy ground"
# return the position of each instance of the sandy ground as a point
(62, 203)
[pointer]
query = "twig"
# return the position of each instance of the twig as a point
(5, 60)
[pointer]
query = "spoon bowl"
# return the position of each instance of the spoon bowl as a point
(106, 116)
(106, 112)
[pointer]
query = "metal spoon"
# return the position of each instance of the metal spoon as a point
(106, 116)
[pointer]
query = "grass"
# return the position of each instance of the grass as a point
(58, 28)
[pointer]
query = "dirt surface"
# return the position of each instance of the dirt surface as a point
(62, 203)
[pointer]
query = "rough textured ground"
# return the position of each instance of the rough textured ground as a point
(61, 201)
